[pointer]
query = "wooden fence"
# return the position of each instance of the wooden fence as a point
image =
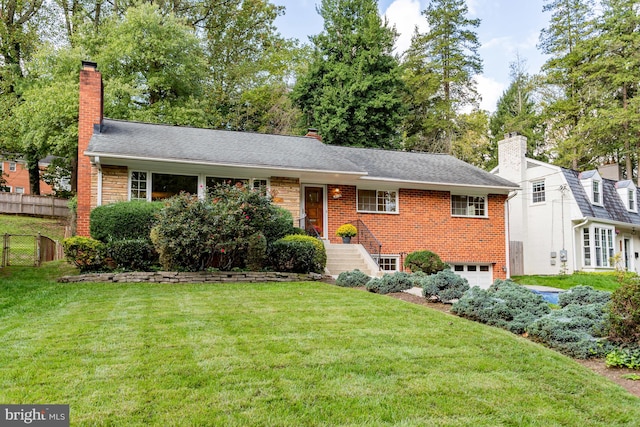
(33, 205)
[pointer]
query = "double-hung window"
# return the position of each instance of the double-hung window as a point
(602, 239)
(538, 191)
(596, 192)
(377, 201)
(475, 206)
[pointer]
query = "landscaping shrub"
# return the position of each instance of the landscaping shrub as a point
(132, 254)
(575, 330)
(320, 257)
(396, 282)
(196, 234)
(280, 224)
(256, 252)
(583, 295)
(624, 357)
(425, 261)
(294, 256)
(505, 304)
(85, 253)
(123, 220)
(445, 285)
(352, 279)
(624, 313)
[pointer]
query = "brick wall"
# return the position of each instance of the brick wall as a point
(115, 180)
(20, 178)
(286, 193)
(424, 221)
(90, 114)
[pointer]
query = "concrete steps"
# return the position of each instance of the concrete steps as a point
(341, 257)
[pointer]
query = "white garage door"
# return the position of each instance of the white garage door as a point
(476, 274)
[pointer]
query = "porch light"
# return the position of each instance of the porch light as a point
(336, 193)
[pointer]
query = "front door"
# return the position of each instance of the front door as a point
(314, 207)
(627, 254)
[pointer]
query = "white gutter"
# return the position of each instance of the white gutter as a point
(507, 234)
(573, 243)
(99, 167)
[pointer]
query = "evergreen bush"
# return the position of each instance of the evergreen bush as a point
(445, 285)
(85, 253)
(583, 295)
(624, 313)
(320, 257)
(505, 304)
(396, 282)
(424, 261)
(295, 256)
(256, 252)
(280, 224)
(123, 220)
(575, 330)
(132, 254)
(352, 279)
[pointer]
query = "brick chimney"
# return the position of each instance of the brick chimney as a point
(313, 133)
(512, 151)
(90, 114)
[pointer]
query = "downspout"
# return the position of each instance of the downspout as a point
(573, 244)
(506, 232)
(99, 195)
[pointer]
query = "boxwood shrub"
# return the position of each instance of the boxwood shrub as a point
(425, 261)
(352, 279)
(85, 253)
(133, 254)
(505, 304)
(445, 285)
(320, 257)
(123, 220)
(395, 282)
(295, 256)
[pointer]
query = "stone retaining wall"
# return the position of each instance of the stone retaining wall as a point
(195, 277)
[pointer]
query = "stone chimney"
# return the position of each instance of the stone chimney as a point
(89, 115)
(512, 151)
(313, 133)
(610, 171)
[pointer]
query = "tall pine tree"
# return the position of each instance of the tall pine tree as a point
(439, 70)
(352, 91)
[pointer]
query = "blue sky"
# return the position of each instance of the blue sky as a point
(508, 28)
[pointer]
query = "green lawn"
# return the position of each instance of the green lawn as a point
(600, 281)
(286, 354)
(13, 224)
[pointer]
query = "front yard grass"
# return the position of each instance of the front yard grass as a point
(287, 354)
(599, 281)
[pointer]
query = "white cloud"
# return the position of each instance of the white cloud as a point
(490, 90)
(405, 16)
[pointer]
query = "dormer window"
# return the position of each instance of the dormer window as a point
(596, 192)
(592, 184)
(628, 194)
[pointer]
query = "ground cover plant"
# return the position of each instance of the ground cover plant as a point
(445, 286)
(278, 354)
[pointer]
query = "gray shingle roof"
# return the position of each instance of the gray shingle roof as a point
(184, 144)
(613, 208)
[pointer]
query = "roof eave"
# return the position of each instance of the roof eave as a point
(447, 185)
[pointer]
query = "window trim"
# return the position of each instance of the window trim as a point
(378, 191)
(596, 183)
(632, 203)
(485, 207)
(13, 166)
(600, 246)
(540, 194)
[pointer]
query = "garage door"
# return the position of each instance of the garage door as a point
(476, 274)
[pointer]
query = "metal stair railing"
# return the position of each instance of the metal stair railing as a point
(368, 241)
(308, 227)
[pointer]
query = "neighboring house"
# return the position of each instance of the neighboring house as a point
(564, 220)
(16, 176)
(408, 201)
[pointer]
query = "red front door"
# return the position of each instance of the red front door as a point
(313, 207)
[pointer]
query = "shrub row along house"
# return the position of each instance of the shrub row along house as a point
(563, 220)
(403, 201)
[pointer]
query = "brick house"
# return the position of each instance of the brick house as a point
(16, 176)
(404, 201)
